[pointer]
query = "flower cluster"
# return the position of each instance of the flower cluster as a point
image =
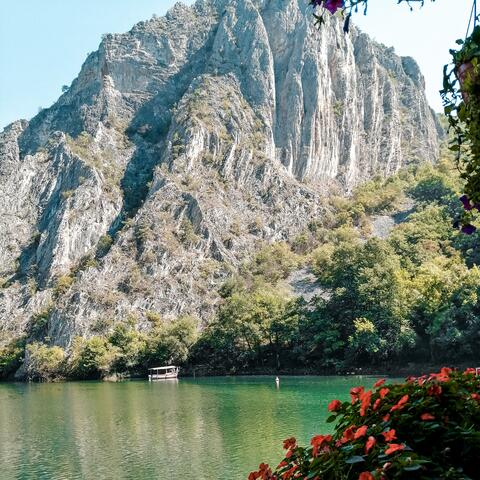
(426, 427)
(466, 220)
(331, 5)
(461, 102)
(347, 7)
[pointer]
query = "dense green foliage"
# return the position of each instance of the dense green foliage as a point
(425, 428)
(411, 295)
(11, 357)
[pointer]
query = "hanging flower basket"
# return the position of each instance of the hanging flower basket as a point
(461, 100)
(464, 72)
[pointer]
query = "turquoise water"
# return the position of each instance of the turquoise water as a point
(199, 429)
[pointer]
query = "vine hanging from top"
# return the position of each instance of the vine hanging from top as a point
(348, 7)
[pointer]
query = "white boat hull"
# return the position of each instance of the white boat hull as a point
(162, 376)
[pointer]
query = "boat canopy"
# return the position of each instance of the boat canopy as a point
(163, 368)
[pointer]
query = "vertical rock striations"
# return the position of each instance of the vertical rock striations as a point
(181, 145)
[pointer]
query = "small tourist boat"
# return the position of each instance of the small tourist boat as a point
(163, 373)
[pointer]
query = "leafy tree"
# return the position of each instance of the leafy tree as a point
(44, 363)
(91, 358)
(11, 357)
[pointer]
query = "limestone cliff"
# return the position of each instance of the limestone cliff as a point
(181, 146)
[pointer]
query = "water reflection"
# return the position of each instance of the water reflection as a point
(191, 429)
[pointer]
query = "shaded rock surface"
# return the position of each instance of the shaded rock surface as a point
(180, 147)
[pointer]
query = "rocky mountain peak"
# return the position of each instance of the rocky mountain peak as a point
(181, 146)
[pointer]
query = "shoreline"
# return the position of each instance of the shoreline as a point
(396, 371)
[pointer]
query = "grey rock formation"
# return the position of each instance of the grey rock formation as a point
(181, 146)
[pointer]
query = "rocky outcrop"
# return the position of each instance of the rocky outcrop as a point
(180, 147)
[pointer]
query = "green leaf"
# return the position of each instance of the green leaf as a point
(412, 468)
(354, 459)
(331, 418)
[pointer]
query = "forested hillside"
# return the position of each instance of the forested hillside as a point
(393, 281)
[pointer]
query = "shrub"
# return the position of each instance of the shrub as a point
(104, 244)
(425, 428)
(44, 363)
(274, 262)
(91, 359)
(62, 284)
(11, 357)
(130, 345)
(39, 322)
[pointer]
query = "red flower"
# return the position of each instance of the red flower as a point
(361, 432)
(371, 442)
(427, 416)
(365, 399)
(379, 383)
(384, 392)
(434, 390)
(386, 418)
(334, 405)
(290, 472)
(264, 472)
(366, 476)
(389, 435)
(355, 393)
(376, 404)
(348, 434)
(475, 396)
(318, 442)
(443, 376)
(394, 447)
(400, 404)
(289, 443)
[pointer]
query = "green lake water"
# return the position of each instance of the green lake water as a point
(198, 429)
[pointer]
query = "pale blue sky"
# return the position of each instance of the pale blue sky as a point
(44, 42)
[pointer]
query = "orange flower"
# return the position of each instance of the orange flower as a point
(376, 404)
(264, 472)
(361, 432)
(394, 447)
(365, 399)
(379, 383)
(427, 416)
(384, 392)
(318, 442)
(289, 443)
(334, 405)
(386, 418)
(371, 442)
(348, 434)
(366, 476)
(434, 390)
(355, 393)
(443, 376)
(389, 435)
(289, 473)
(400, 404)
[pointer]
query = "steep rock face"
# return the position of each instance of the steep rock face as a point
(181, 145)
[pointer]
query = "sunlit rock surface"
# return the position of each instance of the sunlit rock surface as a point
(181, 146)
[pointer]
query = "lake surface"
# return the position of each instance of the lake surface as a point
(198, 429)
